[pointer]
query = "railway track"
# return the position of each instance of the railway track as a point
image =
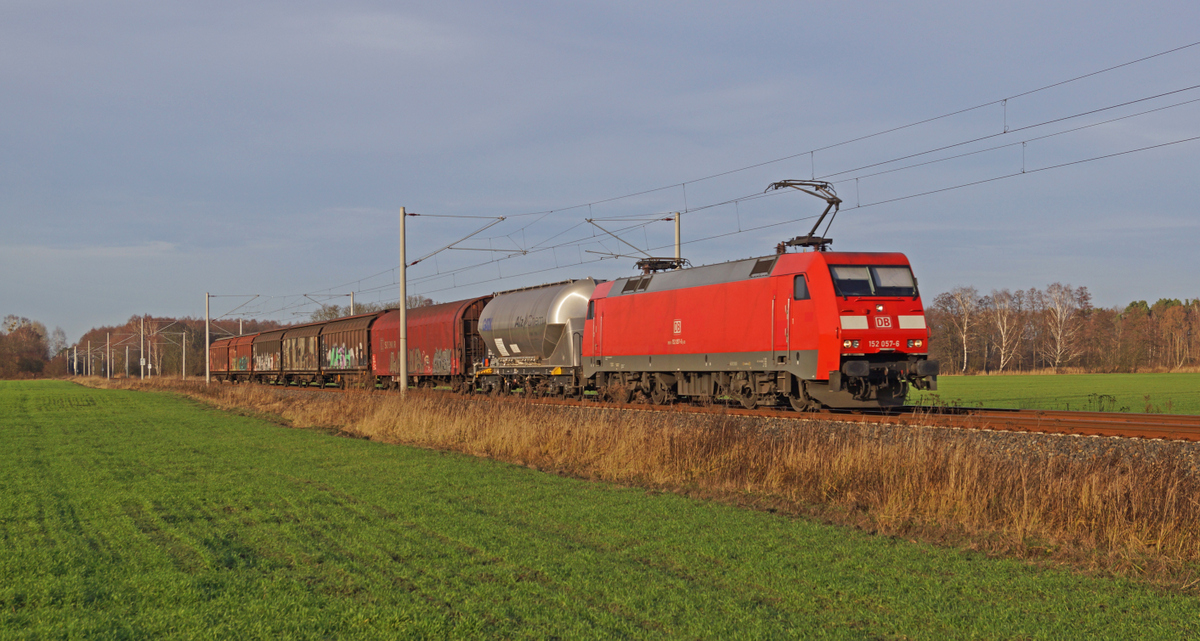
(1171, 427)
(1148, 426)
(1124, 425)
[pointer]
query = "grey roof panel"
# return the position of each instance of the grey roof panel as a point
(698, 276)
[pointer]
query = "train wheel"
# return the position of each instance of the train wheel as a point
(618, 393)
(801, 404)
(747, 398)
(660, 394)
(624, 394)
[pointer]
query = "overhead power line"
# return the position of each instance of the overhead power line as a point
(864, 206)
(543, 245)
(998, 101)
(743, 230)
(872, 135)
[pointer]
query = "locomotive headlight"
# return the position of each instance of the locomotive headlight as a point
(915, 342)
(849, 343)
(879, 307)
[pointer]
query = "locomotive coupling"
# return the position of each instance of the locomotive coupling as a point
(854, 373)
(920, 369)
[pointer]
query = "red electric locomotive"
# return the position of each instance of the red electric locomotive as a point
(816, 328)
(809, 329)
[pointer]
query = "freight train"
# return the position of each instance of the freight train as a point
(806, 330)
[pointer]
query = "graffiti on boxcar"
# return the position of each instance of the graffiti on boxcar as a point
(420, 362)
(442, 360)
(342, 357)
(241, 364)
(300, 353)
(265, 362)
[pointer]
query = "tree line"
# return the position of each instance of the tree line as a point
(334, 312)
(1058, 328)
(170, 346)
(26, 348)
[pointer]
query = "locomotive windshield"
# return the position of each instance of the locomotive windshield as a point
(873, 280)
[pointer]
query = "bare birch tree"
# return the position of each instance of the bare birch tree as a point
(1064, 309)
(1176, 326)
(1006, 313)
(959, 307)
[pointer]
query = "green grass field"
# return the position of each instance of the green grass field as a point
(138, 515)
(1158, 393)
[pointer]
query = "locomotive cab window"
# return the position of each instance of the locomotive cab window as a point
(873, 280)
(591, 309)
(893, 281)
(800, 288)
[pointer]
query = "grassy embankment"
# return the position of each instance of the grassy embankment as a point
(132, 515)
(1131, 511)
(1169, 393)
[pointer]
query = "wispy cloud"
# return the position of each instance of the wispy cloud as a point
(141, 251)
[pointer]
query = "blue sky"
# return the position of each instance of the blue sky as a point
(151, 152)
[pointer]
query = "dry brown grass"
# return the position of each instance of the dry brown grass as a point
(1105, 510)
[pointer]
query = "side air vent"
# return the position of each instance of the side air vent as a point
(763, 267)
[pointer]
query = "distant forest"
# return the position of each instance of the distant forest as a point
(1055, 329)
(27, 350)
(1058, 329)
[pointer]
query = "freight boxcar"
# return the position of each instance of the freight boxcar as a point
(814, 328)
(346, 351)
(300, 347)
(218, 359)
(268, 357)
(443, 344)
(241, 359)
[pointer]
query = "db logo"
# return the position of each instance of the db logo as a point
(678, 326)
(883, 322)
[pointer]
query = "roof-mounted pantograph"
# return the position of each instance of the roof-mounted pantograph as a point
(822, 190)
